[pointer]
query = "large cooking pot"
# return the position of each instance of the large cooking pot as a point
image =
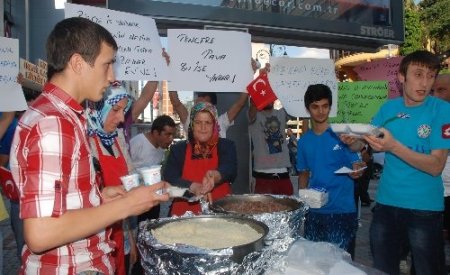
(239, 251)
(242, 204)
(284, 215)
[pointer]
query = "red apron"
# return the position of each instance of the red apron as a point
(194, 170)
(112, 169)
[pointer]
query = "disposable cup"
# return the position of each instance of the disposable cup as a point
(130, 181)
(151, 175)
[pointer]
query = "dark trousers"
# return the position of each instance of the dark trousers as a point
(339, 229)
(392, 226)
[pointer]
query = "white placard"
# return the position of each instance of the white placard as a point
(290, 77)
(209, 60)
(10, 91)
(139, 55)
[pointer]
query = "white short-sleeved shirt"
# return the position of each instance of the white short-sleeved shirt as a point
(143, 153)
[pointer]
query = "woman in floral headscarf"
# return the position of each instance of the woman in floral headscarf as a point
(110, 151)
(205, 163)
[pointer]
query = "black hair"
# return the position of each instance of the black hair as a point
(75, 35)
(212, 96)
(421, 57)
(317, 92)
(160, 122)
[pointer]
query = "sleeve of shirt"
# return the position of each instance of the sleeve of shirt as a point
(50, 147)
(352, 156)
(378, 119)
(440, 139)
(302, 164)
(174, 166)
(224, 122)
(227, 160)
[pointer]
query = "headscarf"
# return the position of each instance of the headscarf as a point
(97, 112)
(203, 150)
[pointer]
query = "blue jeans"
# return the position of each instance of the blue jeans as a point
(338, 229)
(17, 227)
(392, 227)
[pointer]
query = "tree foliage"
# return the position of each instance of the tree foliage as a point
(413, 30)
(435, 15)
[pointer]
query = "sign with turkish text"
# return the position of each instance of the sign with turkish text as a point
(290, 77)
(359, 101)
(383, 69)
(10, 91)
(139, 56)
(209, 60)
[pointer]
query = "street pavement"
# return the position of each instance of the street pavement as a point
(362, 254)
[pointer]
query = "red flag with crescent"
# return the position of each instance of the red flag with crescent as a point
(260, 92)
(8, 186)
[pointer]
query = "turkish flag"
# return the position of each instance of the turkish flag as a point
(8, 186)
(260, 92)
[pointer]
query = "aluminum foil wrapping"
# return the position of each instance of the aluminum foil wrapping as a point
(282, 224)
(157, 258)
(285, 223)
(284, 229)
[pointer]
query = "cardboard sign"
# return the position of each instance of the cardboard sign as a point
(10, 91)
(209, 60)
(359, 101)
(290, 77)
(384, 69)
(140, 52)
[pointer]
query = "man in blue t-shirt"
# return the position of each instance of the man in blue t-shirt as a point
(416, 138)
(320, 153)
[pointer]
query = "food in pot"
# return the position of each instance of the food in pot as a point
(211, 234)
(255, 207)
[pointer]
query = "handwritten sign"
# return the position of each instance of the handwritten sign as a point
(209, 60)
(139, 54)
(384, 69)
(10, 91)
(359, 101)
(34, 76)
(290, 77)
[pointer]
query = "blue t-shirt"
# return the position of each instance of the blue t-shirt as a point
(322, 155)
(6, 141)
(421, 128)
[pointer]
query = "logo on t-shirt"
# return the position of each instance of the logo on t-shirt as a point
(337, 147)
(424, 131)
(446, 131)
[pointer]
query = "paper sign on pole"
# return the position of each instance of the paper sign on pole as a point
(10, 91)
(385, 69)
(209, 60)
(359, 101)
(139, 55)
(290, 77)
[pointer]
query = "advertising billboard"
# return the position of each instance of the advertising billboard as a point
(341, 24)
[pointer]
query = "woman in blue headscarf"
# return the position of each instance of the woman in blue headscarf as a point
(110, 151)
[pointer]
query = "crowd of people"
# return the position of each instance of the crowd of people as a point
(73, 145)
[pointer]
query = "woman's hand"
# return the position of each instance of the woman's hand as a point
(196, 188)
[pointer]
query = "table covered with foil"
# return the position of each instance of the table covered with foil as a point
(157, 258)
